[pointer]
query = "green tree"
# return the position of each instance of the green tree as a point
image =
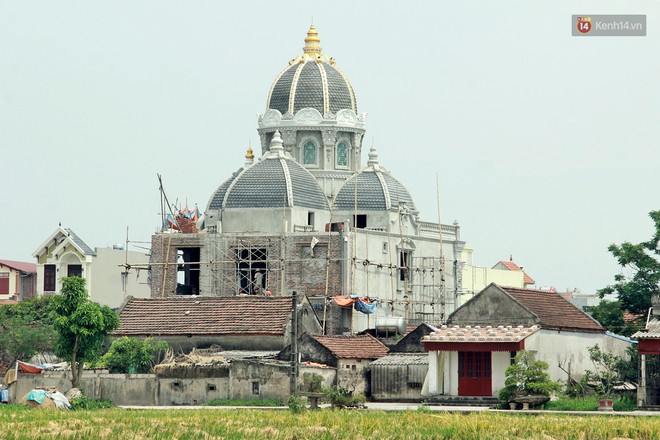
(610, 315)
(634, 292)
(25, 329)
(527, 377)
(82, 326)
(132, 355)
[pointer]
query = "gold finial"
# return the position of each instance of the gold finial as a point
(312, 42)
(249, 154)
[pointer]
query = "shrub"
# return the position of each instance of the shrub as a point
(296, 404)
(132, 355)
(312, 382)
(85, 403)
(340, 397)
(527, 377)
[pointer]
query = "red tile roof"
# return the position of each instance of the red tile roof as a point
(353, 347)
(19, 265)
(553, 311)
(480, 334)
(205, 316)
(510, 265)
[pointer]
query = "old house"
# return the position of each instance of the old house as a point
(350, 355)
(65, 254)
(17, 280)
(468, 356)
(231, 322)
(648, 348)
(400, 374)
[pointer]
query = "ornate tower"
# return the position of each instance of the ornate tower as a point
(313, 105)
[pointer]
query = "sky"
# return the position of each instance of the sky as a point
(545, 145)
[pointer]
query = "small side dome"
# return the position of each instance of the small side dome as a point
(377, 190)
(276, 181)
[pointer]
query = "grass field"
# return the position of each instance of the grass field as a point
(17, 423)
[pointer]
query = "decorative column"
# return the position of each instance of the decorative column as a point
(289, 138)
(329, 140)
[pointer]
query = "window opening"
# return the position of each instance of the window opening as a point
(74, 270)
(360, 221)
(405, 258)
(252, 270)
(255, 388)
(310, 218)
(188, 274)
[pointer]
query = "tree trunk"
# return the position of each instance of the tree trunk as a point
(74, 365)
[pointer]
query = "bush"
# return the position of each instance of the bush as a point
(85, 403)
(312, 382)
(340, 397)
(587, 404)
(132, 355)
(527, 377)
(296, 404)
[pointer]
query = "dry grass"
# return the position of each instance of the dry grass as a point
(259, 424)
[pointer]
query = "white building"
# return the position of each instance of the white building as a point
(308, 216)
(65, 254)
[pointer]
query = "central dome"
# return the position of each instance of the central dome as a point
(311, 80)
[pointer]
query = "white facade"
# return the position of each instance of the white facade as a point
(65, 254)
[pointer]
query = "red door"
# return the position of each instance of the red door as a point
(474, 373)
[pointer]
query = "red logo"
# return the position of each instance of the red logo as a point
(583, 25)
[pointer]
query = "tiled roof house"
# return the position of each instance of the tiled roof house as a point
(233, 322)
(469, 355)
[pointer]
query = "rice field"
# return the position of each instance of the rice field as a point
(16, 423)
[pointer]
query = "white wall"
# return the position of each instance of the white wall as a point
(105, 286)
(570, 350)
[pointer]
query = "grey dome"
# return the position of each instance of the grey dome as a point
(377, 190)
(219, 195)
(274, 182)
(311, 80)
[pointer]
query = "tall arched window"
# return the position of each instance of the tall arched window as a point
(342, 155)
(309, 153)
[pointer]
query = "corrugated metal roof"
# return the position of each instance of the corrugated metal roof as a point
(652, 330)
(402, 359)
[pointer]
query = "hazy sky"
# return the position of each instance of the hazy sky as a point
(546, 145)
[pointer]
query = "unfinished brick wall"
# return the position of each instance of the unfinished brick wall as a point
(304, 267)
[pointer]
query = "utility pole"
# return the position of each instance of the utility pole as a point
(294, 344)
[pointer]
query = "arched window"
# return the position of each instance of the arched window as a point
(309, 153)
(342, 155)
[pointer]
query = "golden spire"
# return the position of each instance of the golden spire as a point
(312, 43)
(249, 154)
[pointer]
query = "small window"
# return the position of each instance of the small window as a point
(384, 247)
(512, 358)
(74, 270)
(310, 218)
(361, 221)
(353, 367)
(255, 388)
(404, 262)
(309, 153)
(210, 387)
(342, 155)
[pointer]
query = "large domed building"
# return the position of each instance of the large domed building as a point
(306, 215)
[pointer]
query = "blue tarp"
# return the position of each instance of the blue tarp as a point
(37, 395)
(364, 307)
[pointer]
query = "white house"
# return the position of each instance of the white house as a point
(469, 355)
(64, 254)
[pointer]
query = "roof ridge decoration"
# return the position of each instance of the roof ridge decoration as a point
(294, 85)
(324, 83)
(289, 186)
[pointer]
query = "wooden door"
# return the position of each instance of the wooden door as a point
(474, 373)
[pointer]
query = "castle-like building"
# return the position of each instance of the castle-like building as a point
(308, 216)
